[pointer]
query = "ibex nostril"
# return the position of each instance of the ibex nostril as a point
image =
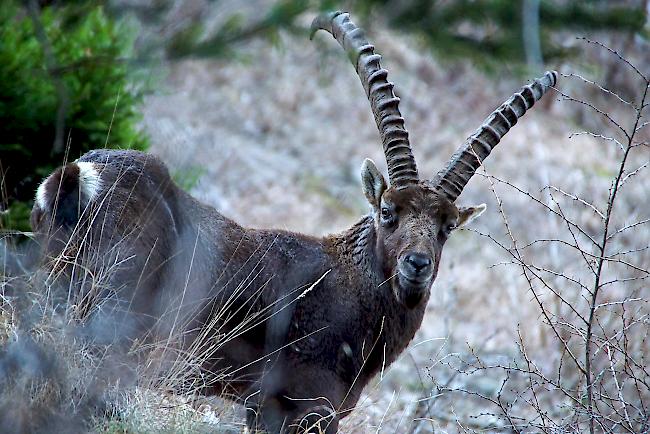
(418, 261)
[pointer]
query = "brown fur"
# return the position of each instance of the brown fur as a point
(185, 267)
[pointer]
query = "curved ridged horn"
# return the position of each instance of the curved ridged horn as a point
(402, 170)
(462, 165)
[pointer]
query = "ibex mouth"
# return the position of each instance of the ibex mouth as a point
(411, 290)
(415, 282)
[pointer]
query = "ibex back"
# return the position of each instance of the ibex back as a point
(293, 326)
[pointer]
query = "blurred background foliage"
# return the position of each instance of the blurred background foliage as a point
(64, 85)
(70, 71)
(488, 32)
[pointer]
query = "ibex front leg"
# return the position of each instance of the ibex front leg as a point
(287, 403)
(280, 415)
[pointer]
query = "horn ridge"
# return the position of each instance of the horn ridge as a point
(402, 170)
(462, 165)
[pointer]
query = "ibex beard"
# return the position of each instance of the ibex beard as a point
(304, 322)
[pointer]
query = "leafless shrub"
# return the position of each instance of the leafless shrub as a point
(587, 271)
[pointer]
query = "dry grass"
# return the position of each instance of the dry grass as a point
(69, 370)
(278, 140)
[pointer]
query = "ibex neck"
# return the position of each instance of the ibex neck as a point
(356, 247)
(387, 322)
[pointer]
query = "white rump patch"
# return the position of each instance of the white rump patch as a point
(89, 181)
(40, 194)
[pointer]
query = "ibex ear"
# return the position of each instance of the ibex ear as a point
(468, 214)
(373, 182)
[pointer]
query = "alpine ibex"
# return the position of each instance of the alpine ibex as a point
(303, 323)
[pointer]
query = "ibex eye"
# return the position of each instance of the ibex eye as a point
(386, 215)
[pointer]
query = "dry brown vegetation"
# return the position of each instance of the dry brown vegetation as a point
(539, 316)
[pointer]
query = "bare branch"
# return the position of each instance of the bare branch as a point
(615, 53)
(604, 89)
(577, 199)
(598, 136)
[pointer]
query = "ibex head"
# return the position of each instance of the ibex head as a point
(413, 217)
(411, 225)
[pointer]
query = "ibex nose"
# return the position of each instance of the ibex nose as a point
(419, 262)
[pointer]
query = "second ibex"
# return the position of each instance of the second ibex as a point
(291, 325)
